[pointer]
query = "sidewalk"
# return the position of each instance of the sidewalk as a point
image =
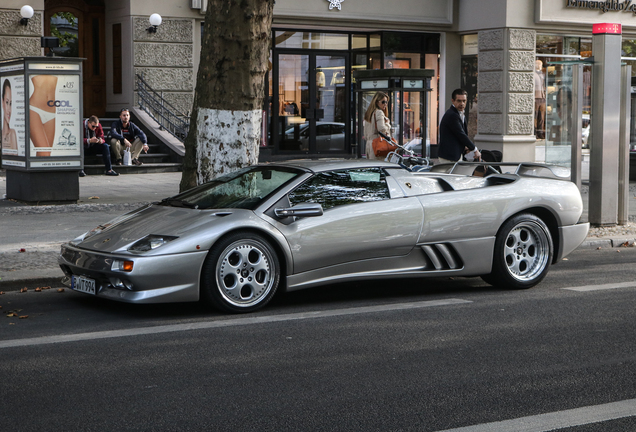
(30, 236)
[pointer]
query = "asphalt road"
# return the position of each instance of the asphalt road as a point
(443, 354)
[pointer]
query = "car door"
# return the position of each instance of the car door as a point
(360, 220)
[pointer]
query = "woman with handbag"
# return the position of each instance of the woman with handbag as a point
(376, 119)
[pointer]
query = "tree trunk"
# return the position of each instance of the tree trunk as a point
(225, 125)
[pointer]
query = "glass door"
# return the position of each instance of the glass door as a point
(312, 103)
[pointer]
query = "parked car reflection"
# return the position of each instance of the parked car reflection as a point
(329, 136)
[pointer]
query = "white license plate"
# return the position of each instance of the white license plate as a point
(83, 284)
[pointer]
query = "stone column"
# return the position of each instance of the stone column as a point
(506, 93)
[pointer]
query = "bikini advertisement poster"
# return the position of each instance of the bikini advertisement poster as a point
(12, 114)
(54, 115)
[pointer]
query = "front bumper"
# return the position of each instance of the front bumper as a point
(154, 279)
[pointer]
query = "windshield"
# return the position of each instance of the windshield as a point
(243, 189)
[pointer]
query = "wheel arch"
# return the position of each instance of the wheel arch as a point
(284, 259)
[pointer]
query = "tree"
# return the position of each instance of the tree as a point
(225, 124)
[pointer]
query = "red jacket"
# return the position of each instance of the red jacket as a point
(88, 134)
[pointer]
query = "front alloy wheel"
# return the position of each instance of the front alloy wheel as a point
(241, 273)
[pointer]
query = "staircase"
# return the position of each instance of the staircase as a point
(158, 159)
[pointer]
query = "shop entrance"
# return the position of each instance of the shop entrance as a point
(313, 114)
(79, 25)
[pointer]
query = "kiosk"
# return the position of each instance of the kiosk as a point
(408, 104)
(41, 113)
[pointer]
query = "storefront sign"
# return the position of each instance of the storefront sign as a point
(374, 84)
(470, 44)
(413, 84)
(606, 28)
(335, 4)
(603, 6)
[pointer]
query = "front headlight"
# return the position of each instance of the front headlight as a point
(150, 242)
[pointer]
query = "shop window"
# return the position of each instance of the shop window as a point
(309, 40)
(549, 44)
(411, 42)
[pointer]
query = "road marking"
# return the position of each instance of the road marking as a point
(45, 340)
(559, 419)
(602, 287)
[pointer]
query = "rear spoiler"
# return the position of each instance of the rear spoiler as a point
(526, 169)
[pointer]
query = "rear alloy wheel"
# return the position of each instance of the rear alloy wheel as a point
(241, 273)
(523, 253)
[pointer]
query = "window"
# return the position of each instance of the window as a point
(336, 188)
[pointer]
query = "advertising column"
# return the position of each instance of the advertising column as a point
(41, 112)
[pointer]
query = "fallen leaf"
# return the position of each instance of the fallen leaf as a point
(1, 292)
(11, 323)
(22, 250)
(46, 287)
(60, 290)
(23, 290)
(38, 289)
(598, 248)
(565, 259)
(93, 197)
(618, 250)
(11, 314)
(23, 317)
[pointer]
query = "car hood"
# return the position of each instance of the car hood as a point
(156, 220)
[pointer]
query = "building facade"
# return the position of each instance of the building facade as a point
(500, 51)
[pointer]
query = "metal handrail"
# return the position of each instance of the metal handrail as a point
(162, 111)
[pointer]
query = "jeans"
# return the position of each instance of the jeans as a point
(105, 149)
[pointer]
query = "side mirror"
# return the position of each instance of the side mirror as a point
(301, 210)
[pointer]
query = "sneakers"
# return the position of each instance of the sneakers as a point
(111, 173)
(119, 162)
(82, 173)
(137, 162)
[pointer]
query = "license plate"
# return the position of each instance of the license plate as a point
(83, 284)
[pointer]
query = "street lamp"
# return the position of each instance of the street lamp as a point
(155, 20)
(26, 12)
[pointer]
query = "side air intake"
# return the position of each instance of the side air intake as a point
(441, 256)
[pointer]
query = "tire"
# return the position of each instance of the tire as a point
(240, 274)
(523, 253)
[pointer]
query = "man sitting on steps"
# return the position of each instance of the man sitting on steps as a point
(94, 143)
(125, 134)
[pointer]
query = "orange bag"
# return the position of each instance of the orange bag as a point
(381, 147)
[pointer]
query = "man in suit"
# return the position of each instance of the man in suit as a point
(453, 131)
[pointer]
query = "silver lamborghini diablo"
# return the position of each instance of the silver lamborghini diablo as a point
(234, 241)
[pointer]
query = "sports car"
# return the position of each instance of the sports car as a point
(237, 240)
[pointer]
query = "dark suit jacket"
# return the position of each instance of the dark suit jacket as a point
(453, 136)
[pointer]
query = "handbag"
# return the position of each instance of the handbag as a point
(127, 157)
(381, 147)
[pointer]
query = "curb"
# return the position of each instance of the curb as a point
(42, 281)
(613, 242)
